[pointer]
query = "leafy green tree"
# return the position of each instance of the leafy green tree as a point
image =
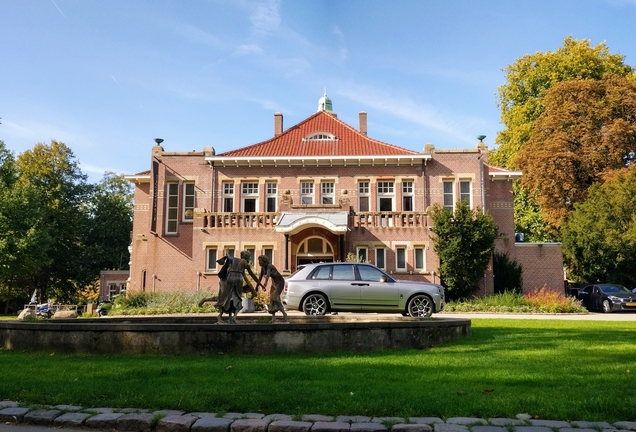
(464, 241)
(521, 102)
(51, 180)
(599, 237)
(587, 129)
(106, 234)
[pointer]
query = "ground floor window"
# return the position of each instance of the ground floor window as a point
(380, 258)
(400, 259)
(211, 257)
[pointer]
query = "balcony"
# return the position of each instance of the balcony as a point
(269, 220)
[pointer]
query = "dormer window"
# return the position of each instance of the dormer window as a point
(320, 136)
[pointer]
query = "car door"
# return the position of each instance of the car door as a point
(585, 295)
(344, 288)
(379, 292)
(596, 297)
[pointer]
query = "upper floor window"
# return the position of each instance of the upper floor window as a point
(228, 197)
(172, 208)
(320, 136)
(306, 193)
(407, 196)
(249, 197)
(327, 192)
(464, 191)
(386, 194)
(449, 196)
(363, 196)
(271, 190)
(188, 202)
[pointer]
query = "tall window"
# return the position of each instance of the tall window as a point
(400, 259)
(188, 202)
(211, 257)
(327, 193)
(228, 197)
(419, 259)
(386, 194)
(269, 253)
(306, 193)
(449, 201)
(271, 189)
(407, 196)
(464, 191)
(380, 258)
(249, 197)
(172, 208)
(362, 254)
(363, 196)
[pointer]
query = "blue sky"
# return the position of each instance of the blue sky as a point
(106, 77)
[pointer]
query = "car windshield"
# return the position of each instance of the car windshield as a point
(614, 289)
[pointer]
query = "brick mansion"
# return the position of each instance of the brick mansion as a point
(317, 191)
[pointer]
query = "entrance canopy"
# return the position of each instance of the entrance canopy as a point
(333, 221)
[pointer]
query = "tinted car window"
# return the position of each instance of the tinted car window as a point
(370, 274)
(343, 272)
(322, 273)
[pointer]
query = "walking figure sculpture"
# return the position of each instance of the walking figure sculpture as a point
(234, 275)
(278, 284)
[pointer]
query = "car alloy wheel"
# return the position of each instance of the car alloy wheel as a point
(420, 306)
(315, 304)
(607, 308)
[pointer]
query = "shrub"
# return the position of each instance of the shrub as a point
(552, 301)
(508, 273)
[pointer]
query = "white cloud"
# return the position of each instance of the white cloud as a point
(266, 17)
(244, 50)
(405, 108)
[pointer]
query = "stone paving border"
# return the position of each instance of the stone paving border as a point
(142, 420)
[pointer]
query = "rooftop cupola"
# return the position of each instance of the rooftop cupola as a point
(324, 103)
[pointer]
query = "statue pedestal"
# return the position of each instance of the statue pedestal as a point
(248, 305)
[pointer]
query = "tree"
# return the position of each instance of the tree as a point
(599, 237)
(587, 129)
(521, 103)
(52, 183)
(106, 234)
(521, 97)
(464, 241)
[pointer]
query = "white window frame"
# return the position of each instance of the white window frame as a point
(417, 249)
(377, 253)
(407, 192)
(228, 197)
(466, 195)
(385, 190)
(401, 250)
(364, 254)
(364, 192)
(249, 191)
(448, 194)
(327, 192)
(189, 203)
(172, 208)
(271, 193)
(306, 193)
(210, 261)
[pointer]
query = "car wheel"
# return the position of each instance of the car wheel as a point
(420, 306)
(315, 304)
(607, 308)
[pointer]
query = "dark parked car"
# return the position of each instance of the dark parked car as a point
(357, 287)
(607, 298)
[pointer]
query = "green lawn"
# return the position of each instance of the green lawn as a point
(561, 370)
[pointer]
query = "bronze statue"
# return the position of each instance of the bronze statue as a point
(278, 284)
(232, 284)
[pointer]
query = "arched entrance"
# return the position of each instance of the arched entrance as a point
(314, 249)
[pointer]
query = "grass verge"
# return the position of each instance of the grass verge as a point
(561, 370)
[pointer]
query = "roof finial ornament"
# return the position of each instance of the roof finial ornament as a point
(324, 103)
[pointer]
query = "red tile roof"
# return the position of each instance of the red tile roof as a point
(349, 142)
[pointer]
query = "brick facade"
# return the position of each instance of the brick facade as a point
(194, 207)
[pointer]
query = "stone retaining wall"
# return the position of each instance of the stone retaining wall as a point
(189, 335)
